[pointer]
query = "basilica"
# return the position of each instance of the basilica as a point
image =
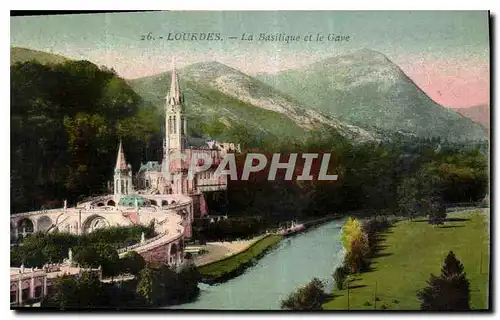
(155, 178)
(150, 196)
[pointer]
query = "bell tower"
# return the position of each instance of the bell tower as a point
(175, 126)
(175, 121)
(123, 175)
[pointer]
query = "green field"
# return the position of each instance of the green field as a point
(412, 250)
(220, 268)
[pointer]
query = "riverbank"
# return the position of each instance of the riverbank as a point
(234, 265)
(293, 262)
(216, 251)
(412, 250)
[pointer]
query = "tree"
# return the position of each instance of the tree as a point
(436, 210)
(448, 292)
(149, 286)
(70, 292)
(132, 263)
(422, 194)
(308, 297)
(340, 276)
(357, 258)
(99, 254)
(350, 230)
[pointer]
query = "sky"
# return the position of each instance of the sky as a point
(445, 53)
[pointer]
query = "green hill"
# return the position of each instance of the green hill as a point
(213, 114)
(22, 55)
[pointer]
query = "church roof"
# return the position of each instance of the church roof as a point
(174, 95)
(130, 200)
(120, 159)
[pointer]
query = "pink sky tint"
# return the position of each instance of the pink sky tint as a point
(451, 82)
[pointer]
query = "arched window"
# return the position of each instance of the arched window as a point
(122, 187)
(175, 125)
(126, 186)
(183, 129)
(170, 125)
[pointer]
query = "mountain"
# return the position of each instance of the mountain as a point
(366, 89)
(479, 114)
(22, 55)
(223, 96)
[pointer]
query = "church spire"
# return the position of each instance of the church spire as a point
(174, 96)
(120, 159)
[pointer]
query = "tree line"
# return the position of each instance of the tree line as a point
(407, 177)
(89, 250)
(66, 122)
(155, 285)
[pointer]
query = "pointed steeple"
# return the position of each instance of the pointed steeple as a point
(120, 159)
(174, 95)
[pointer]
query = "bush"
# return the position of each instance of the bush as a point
(40, 248)
(340, 276)
(308, 297)
(448, 292)
(132, 263)
(357, 258)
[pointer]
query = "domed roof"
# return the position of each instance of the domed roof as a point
(130, 200)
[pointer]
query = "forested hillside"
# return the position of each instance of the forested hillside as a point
(66, 122)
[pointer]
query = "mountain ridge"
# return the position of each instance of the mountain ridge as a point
(367, 89)
(479, 113)
(237, 85)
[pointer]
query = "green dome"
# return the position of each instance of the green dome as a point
(129, 201)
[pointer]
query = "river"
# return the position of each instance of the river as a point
(294, 262)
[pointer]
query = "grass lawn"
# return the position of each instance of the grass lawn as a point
(412, 250)
(221, 267)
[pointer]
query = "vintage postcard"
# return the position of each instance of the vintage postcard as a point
(246, 160)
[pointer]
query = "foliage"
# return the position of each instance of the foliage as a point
(448, 292)
(99, 254)
(94, 249)
(149, 285)
(85, 291)
(340, 276)
(372, 228)
(132, 263)
(351, 230)
(160, 285)
(308, 297)
(411, 176)
(220, 268)
(66, 121)
(357, 258)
